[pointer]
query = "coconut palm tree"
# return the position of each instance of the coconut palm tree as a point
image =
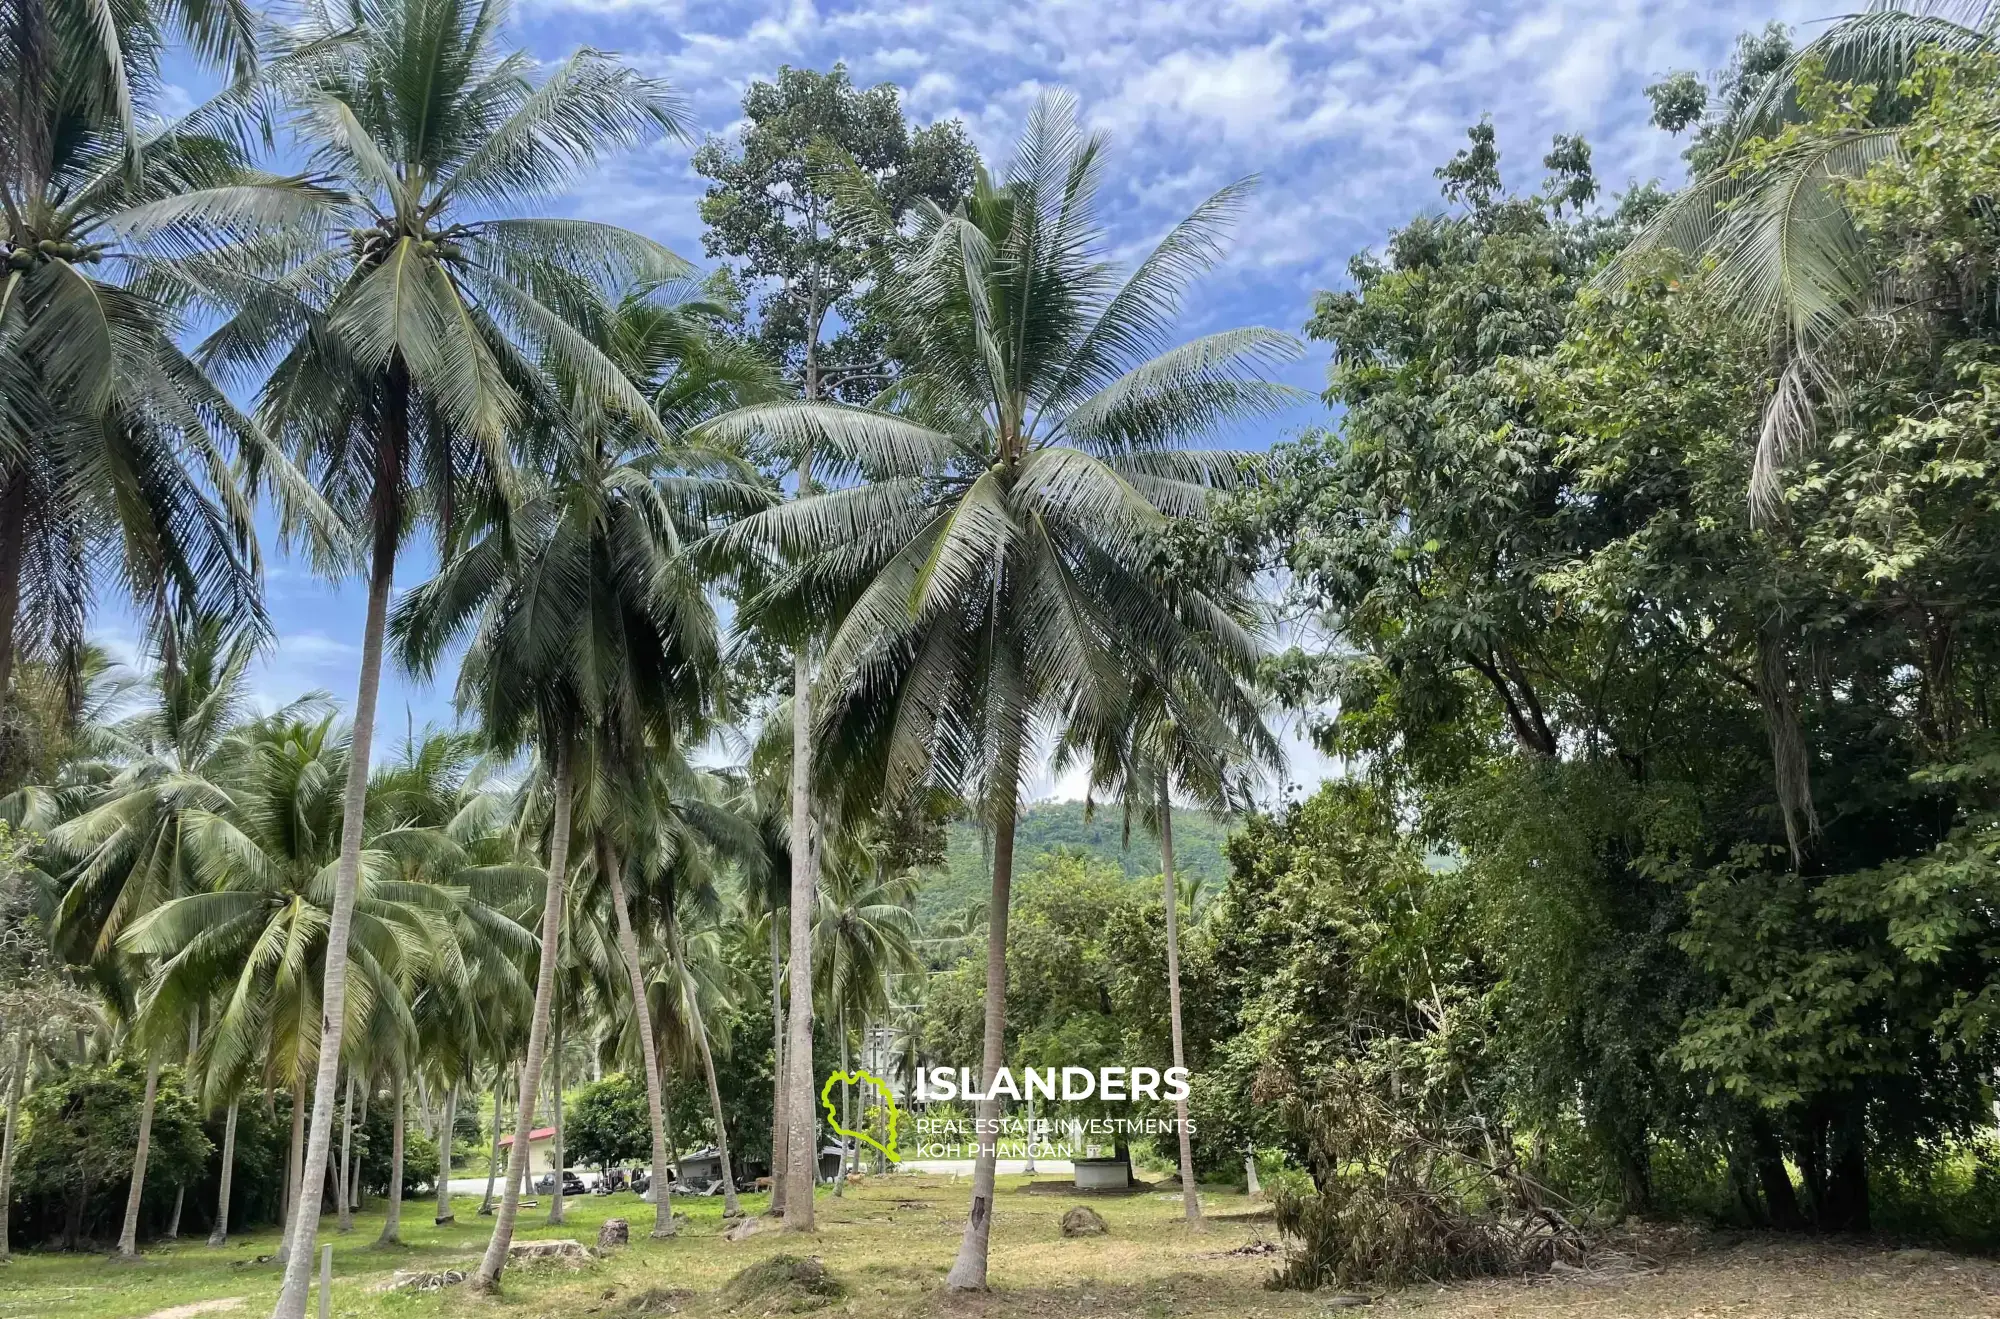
(592, 628)
(695, 830)
(113, 444)
(407, 326)
(1178, 742)
(128, 849)
(253, 926)
(996, 555)
(863, 937)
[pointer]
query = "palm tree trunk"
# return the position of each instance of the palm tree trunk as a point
(294, 1157)
(444, 1212)
(13, 542)
(219, 1234)
(354, 1168)
(392, 1224)
(968, 1272)
(779, 1128)
(649, 1053)
(730, 1207)
(180, 1191)
(556, 1093)
(347, 875)
(1190, 1197)
(846, 1110)
(128, 1236)
(801, 1139)
(15, 1082)
(490, 1268)
(493, 1163)
(342, 1190)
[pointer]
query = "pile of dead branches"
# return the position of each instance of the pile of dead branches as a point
(1396, 1199)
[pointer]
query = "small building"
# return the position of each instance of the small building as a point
(541, 1150)
(699, 1167)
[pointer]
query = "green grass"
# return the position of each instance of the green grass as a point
(886, 1246)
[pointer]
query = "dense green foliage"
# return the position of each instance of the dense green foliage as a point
(77, 1151)
(1715, 792)
(606, 1123)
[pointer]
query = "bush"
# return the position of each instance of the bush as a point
(376, 1138)
(75, 1161)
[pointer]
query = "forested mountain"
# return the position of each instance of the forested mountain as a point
(1065, 826)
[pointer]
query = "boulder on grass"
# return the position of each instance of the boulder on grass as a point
(748, 1227)
(614, 1232)
(562, 1248)
(1083, 1221)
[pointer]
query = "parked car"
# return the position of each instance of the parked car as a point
(572, 1184)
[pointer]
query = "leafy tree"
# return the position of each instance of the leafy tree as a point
(607, 1122)
(774, 206)
(82, 1127)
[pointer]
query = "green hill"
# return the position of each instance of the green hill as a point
(962, 880)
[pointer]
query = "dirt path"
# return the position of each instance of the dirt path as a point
(193, 1308)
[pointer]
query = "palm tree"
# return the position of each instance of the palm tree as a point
(253, 928)
(1177, 741)
(1000, 558)
(128, 848)
(863, 937)
(696, 828)
(407, 349)
(593, 629)
(113, 444)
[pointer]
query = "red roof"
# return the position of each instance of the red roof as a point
(539, 1133)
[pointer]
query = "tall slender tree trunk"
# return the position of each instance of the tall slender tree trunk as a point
(780, 1129)
(490, 1268)
(16, 1080)
(968, 1271)
(128, 1236)
(13, 542)
(343, 1191)
(347, 875)
(731, 1208)
(801, 1114)
(649, 1052)
(846, 1110)
(294, 1157)
(493, 1163)
(180, 1191)
(445, 1136)
(354, 1168)
(1190, 1197)
(392, 1223)
(556, 1094)
(219, 1234)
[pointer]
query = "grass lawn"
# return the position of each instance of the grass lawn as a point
(889, 1243)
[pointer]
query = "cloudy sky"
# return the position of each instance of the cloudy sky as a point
(1341, 109)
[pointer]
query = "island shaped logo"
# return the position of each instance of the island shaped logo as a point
(888, 1103)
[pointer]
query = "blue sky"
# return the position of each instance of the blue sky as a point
(1341, 109)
